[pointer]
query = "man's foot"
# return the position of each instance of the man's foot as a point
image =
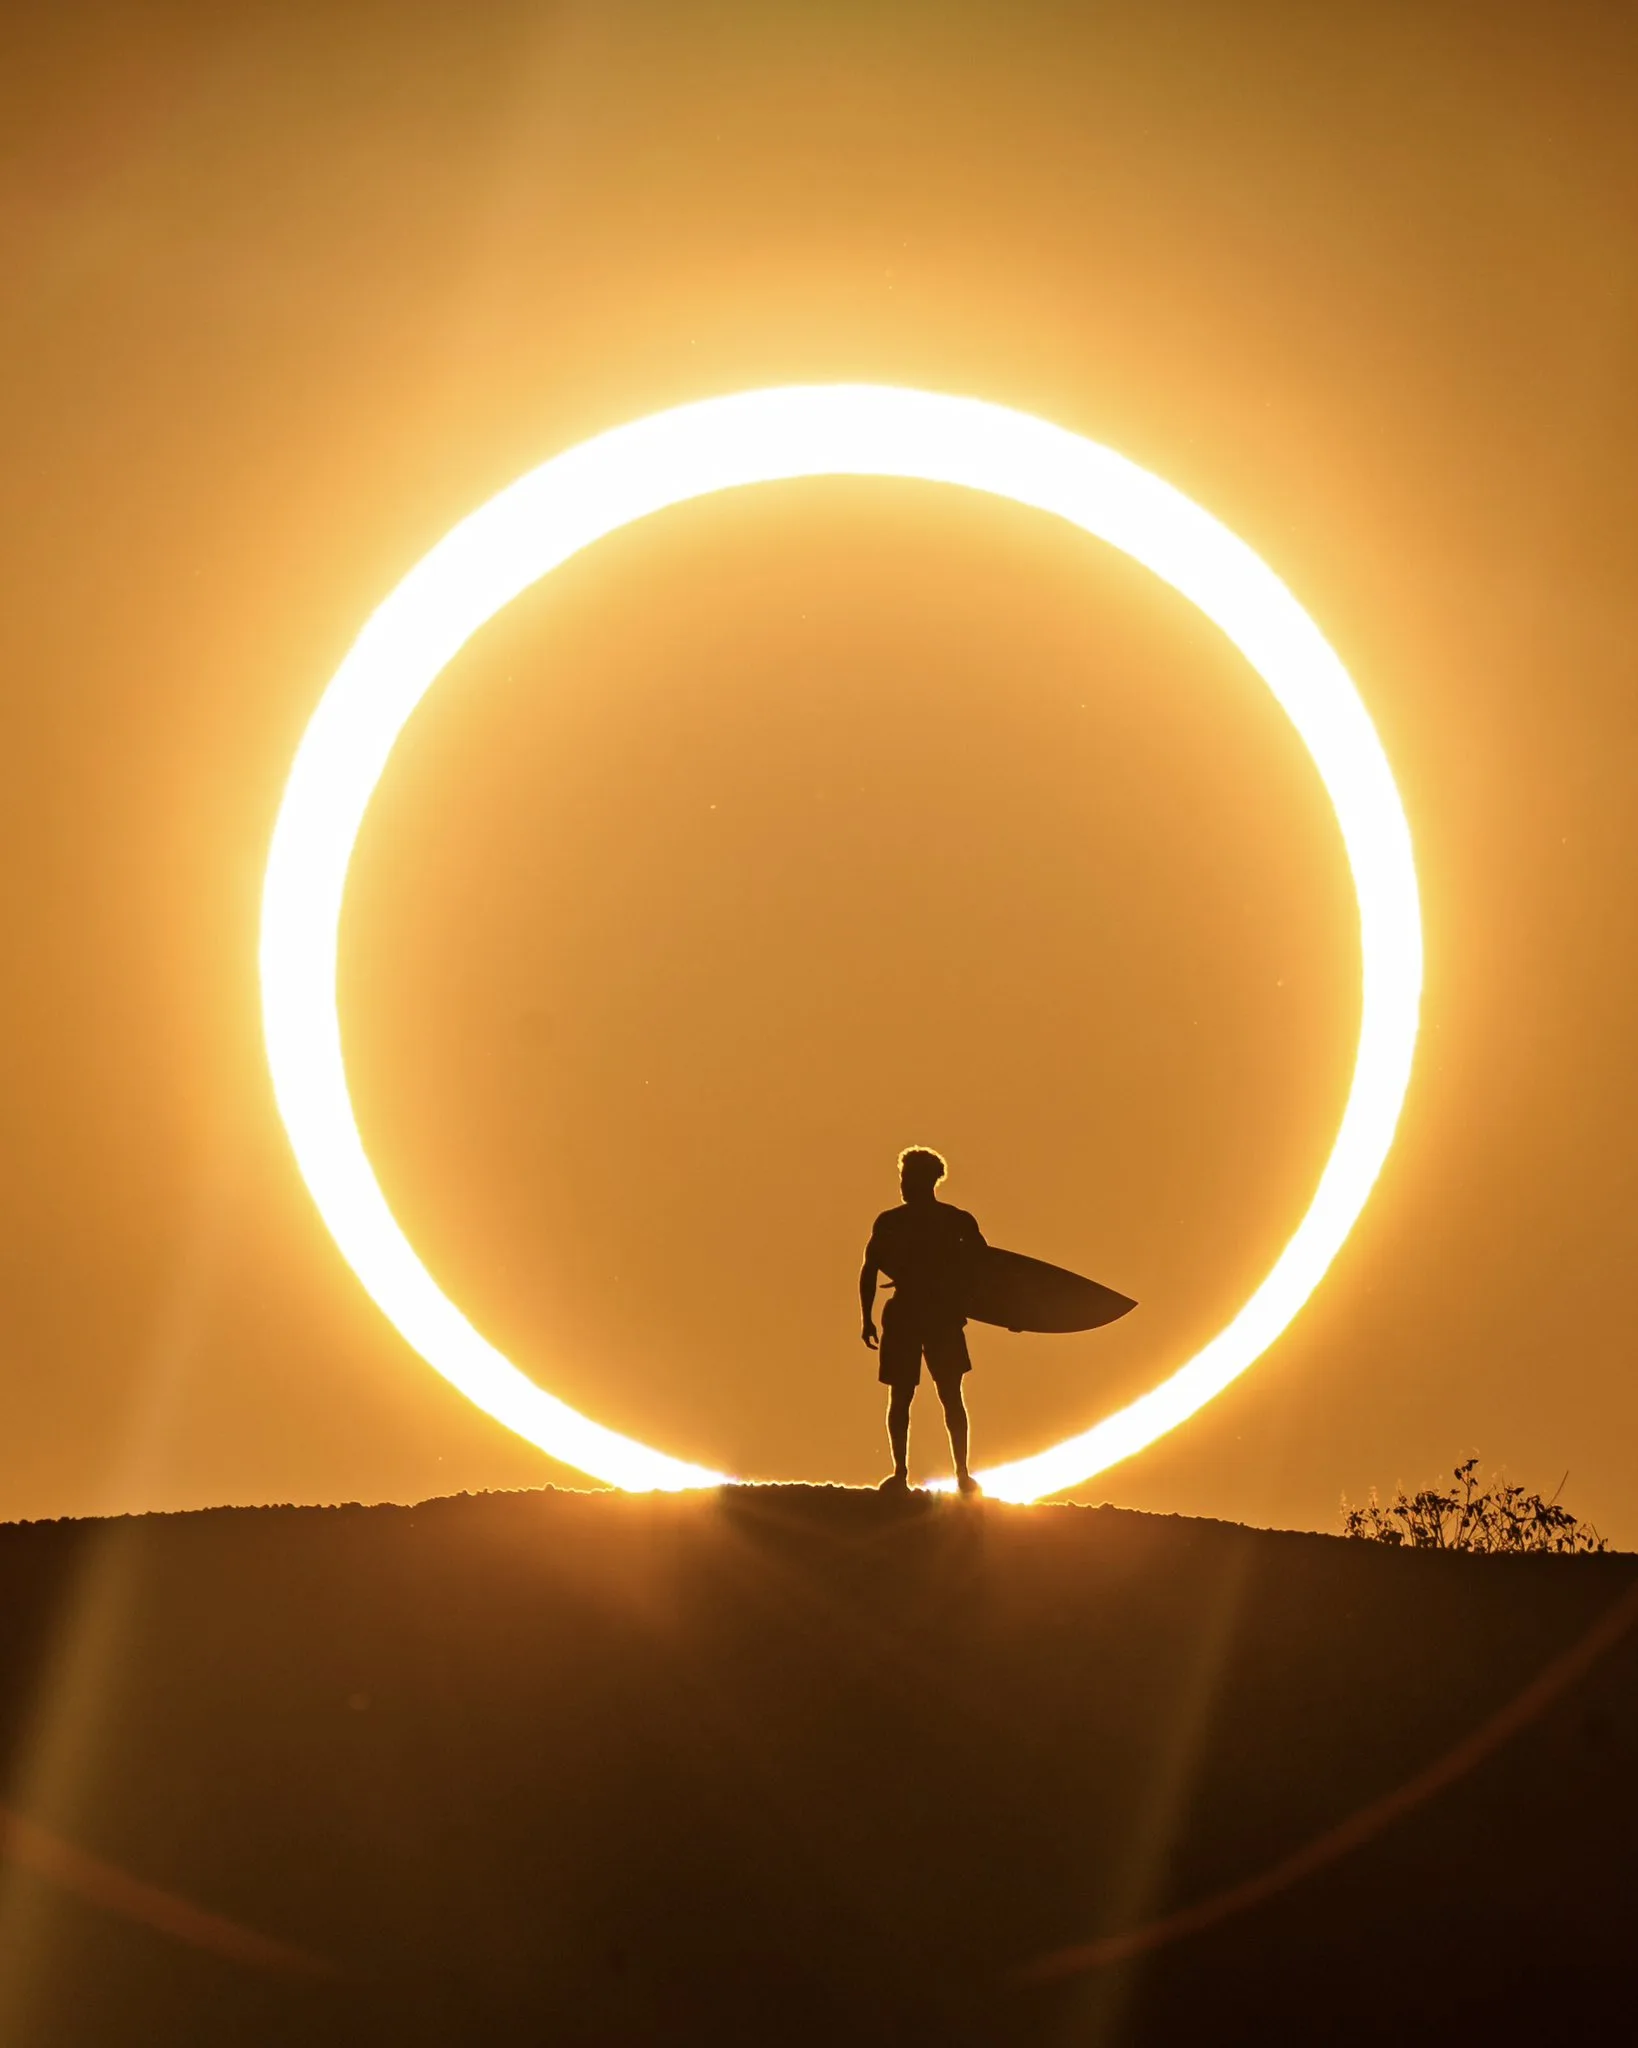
(895, 1482)
(966, 1483)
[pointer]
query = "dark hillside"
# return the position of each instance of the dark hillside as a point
(792, 1766)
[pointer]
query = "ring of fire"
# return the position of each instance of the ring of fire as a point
(762, 437)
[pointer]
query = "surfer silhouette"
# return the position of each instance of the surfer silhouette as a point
(923, 1248)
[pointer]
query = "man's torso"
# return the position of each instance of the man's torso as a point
(924, 1249)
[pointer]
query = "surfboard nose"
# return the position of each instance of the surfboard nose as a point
(1021, 1294)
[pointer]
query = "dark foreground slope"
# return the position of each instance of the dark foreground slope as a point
(793, 1766)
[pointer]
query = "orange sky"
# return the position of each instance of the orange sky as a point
(794, 827)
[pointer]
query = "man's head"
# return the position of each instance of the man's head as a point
(920, 1171)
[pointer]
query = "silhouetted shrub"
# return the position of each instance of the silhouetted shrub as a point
(1474, 1514)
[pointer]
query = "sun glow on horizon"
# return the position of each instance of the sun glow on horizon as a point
(767, 436)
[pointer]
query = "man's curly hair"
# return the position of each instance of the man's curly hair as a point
(920, 1165)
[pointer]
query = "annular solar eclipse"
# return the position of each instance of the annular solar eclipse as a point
(722, 444)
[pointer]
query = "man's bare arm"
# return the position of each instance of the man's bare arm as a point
(867, 1301)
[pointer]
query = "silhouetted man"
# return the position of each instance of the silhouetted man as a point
(922, 1247)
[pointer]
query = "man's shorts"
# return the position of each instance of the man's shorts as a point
(905, 1341)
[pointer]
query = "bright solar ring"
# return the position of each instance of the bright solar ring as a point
(722, 444)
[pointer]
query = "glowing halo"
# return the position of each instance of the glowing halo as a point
(764, 437)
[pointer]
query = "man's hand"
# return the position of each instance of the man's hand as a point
(868, 1334)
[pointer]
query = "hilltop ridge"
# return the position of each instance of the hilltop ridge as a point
(792, 1764)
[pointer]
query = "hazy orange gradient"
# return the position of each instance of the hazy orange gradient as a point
(801, 823)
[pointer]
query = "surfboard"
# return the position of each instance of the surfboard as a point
(1017, 1293)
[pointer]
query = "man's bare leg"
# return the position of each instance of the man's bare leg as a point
(898, 1431)
(955, 1420)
